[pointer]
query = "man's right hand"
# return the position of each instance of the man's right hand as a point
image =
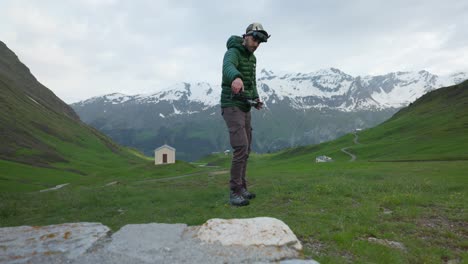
(237, 85)
(259, 104)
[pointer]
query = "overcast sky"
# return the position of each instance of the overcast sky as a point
(84, 48)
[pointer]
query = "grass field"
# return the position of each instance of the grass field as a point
(335, 209)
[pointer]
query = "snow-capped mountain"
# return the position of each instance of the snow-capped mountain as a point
(327, 88)
(335, 89)
(300, 109)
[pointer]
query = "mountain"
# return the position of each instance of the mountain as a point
(39, 129)
(433, 128)
(300, 109)
(334, 89)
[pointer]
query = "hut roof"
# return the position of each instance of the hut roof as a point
(165, 146)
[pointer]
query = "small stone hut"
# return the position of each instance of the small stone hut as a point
(323, 159)
(164, 155)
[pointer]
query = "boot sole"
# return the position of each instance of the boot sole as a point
(241, 204)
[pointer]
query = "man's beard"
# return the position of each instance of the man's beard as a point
(251, 49)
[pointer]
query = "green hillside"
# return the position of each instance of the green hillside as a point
(37, 128)
(434, 127)
(44, 143)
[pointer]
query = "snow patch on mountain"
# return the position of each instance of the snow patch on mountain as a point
(201, 92)
(406, 87)
(114, 98)
(176, 112)
(323, 83)
(118, 98)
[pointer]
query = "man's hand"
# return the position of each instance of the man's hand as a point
(259, 104)
(237, 85)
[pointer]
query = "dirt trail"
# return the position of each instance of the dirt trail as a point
(211, 173)
(353, 157)
(345, 149)
(54, 188)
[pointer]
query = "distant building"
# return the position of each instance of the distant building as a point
(227, 152)
(164, 155)
(323, 159)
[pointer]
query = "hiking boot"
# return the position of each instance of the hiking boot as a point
(237, 199)
(247, 195)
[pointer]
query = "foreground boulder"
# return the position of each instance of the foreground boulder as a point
(255, 240)
(19, 244)
(260, 231)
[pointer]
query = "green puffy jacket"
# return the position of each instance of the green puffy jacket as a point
(238, 62)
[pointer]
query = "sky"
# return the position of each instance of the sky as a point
(85, 48)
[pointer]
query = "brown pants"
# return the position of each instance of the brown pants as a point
(240, 137)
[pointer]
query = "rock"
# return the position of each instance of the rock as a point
(386, 211)
(258, 240)
(260, 231)
(147, 242)
(112, 183)
(299, 261)
(178, 243)
(387, 243)
(20, 244)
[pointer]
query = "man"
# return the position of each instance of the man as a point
(239, 94)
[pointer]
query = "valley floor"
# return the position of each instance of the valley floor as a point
(385, 212)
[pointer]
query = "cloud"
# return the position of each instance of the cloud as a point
(85, 48)
(97, 3)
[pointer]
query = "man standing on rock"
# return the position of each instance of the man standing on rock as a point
(239, 94)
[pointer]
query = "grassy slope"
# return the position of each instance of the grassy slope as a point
(39, 129)
(435, 127)
(45, 144)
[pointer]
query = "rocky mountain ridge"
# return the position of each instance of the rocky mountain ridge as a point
(300, 109)
(326, 88)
